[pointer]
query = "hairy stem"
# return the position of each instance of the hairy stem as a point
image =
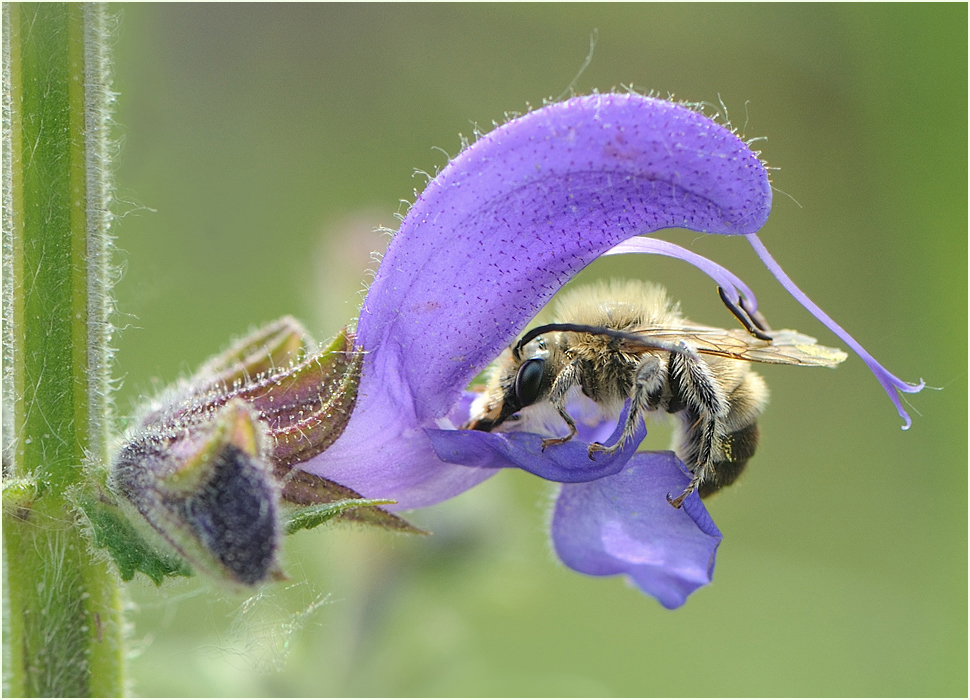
(63, 623)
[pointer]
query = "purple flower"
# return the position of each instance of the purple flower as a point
(491, 239)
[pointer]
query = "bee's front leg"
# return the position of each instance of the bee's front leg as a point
(548, 442)
(557, 397)
(647, 390)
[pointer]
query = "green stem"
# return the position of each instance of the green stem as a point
(63, 621)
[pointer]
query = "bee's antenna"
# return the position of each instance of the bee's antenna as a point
(753, 323)
(636, 338)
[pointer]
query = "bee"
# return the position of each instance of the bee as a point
(627, 341)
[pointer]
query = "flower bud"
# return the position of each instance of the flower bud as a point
(209, 491)
(213, 457)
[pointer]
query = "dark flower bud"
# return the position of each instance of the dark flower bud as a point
(213, 456)
(209, 491)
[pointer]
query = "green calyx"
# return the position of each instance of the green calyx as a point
(210, 468)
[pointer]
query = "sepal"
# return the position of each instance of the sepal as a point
(304, 398)
(307, 407)
(270, 348)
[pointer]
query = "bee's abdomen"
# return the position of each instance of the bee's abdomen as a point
(736, 449)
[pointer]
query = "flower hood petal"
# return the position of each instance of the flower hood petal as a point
(494, 236)
(513, 217)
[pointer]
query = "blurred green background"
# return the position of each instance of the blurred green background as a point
(263, 144)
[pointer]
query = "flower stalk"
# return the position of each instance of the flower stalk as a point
(63, 612)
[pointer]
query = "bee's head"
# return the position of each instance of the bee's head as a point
(521, 384)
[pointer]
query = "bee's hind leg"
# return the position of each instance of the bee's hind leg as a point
(647, 390)
(691, 487)
(702, 407)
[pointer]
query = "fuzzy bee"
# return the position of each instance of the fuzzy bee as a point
(623, 341)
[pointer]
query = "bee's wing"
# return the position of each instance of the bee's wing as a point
(786, 347)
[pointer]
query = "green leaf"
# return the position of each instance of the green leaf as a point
(130, 550)
(311, 516)
(317, 494)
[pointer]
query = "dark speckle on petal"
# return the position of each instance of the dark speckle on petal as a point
(519, 212)
(494, 236)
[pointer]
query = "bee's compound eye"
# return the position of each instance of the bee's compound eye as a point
(528, 381)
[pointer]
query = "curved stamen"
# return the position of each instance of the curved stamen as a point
(734, 287)
(752, 325)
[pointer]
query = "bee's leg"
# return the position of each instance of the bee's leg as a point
(737, 448)
(557, 397)
(702, 408)
(739, 440)
(691, 487)
(647, 390)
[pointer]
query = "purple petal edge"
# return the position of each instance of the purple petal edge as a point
(622, 524)
(890, 382)
(569, 462)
